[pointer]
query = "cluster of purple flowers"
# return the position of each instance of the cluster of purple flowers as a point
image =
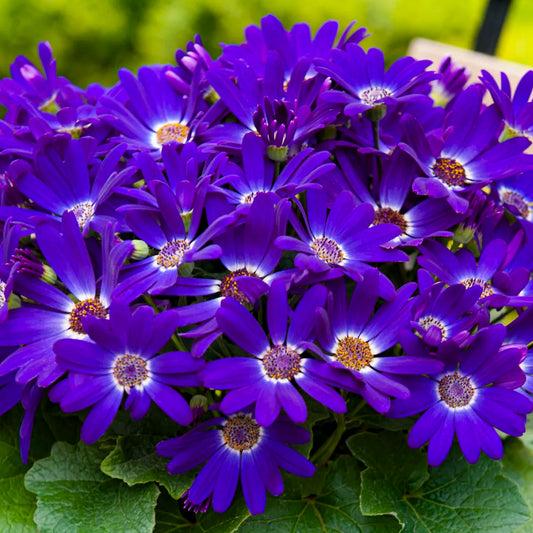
(288, 220)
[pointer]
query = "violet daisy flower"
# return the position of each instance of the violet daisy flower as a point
(29, 395)
(393, 204)
(516, 195)
(148, 112)
(46, 92)
(284, 122)
(292, 45)
(366, 84)
(451, 82)
(465, 399)
(442, 313)
(249, 255)
(54, 315)
(10, 390)
(520, 331)
(121, 359)
(468, 156)
(462, 267)
(10, 263)
(353, 336)
(60, 180)
(516, 110)
(237, 447)
(258, 173)
(162, 227)
(343, 239)
(266, 378)
(181, 76)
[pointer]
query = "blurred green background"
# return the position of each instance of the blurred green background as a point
(92, 39)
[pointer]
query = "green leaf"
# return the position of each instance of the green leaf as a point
(154, 423)
(74, 495)
(367, 418)
(316, 413)
(518, 465)
(171, 519)
(17, 505)
(335, 509)
(454, 497)
(134, 461)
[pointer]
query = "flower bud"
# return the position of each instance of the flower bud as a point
(140, 250)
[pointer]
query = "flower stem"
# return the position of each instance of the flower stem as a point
(375, 137)
(321, 456)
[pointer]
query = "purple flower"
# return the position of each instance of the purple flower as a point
(353, 336)
(516, 195)
(237, 447)
(393, 202)
(366, 84)
(121, 359)
(28, 87)
(258, 173)
(466, 398)
(462, 267)
(266, 378)
(343, 240)
(10, 390)
(445, 313)
(468, 156)
(54, 315)
(451, 82)
(516, 110)
(162, 227)
(520, 331)
(148, 112)
(284, 122)
(249, 255)
(182, 76)
(291, 45)
(61, 180)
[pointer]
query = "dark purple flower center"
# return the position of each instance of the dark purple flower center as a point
(172, 253)
(83, 212)
(485, 285)
(89, 307)
(429, 321)
(449, 171)
(229, 286)
(328, 250)
(353, 353)
(249, 198)
(516, 200)
(387, 215)
(281, 362)
(172, 132)
(130, 371)
(456, 390)
(241, 432)
(373, 94)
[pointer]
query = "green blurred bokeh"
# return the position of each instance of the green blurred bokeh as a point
(92, 39)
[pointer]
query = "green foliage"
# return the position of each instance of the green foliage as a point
(74, 495)
(170, 519)
(17, 505)
(335, 509)
(134, 461)
(518, 462)
(93, 39)
(455, 497)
